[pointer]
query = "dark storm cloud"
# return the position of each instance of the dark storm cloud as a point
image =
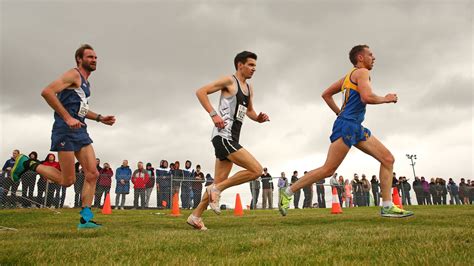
(153, 55)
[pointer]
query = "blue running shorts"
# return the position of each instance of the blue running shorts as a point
(350, 132)
(69, 141)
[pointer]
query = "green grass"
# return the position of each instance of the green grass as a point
(436, 235)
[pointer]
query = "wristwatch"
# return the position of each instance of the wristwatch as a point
(98, 118)
(212, 113)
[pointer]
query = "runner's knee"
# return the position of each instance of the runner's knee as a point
(328, 171)
(91, 176)
(257, 170)
(68, 181)
(388, 159)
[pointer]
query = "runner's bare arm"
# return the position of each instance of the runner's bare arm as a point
(69, 79)
(262, 117)
(108, 119)
(367, 96)
(329, 92)
(218, 85)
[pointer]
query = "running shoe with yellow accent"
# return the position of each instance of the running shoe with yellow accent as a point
(214, 196)
(19, 167)
(196, 223)
(284, 202)
(395, 212)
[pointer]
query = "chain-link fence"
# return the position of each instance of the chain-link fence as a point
(34, 191)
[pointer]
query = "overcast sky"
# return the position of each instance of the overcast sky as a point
(153, 55)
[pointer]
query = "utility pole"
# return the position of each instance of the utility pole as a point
(412, 158)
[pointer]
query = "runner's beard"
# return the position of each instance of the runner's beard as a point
(88, 67)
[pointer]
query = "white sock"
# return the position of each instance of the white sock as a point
(288, 191)
(387, 204)
(214, 188)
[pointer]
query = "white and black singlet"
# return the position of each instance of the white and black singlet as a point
(233, 110)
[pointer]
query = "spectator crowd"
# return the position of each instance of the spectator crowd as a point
(145, 181)
(188, 182)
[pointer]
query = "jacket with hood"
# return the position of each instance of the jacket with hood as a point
(151, 174)
(54, 163)
(163, 177)
(105, 177)
(140, 178)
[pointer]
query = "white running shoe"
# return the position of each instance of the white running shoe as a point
(196, 222)
(214, 196)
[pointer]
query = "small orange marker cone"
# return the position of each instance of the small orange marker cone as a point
(238, 206)
(396, 198)
(336, 206)
(175, 208)
(106, 209)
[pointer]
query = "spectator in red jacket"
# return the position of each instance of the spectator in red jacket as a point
(103, 184)
(52, 189)
(139, 179)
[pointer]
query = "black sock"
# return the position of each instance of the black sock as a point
(82, 221)
(31, 165)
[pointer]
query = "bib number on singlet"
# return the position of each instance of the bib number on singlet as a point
(241, 111)
(83, 110)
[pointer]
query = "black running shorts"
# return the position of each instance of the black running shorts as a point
(223, 147)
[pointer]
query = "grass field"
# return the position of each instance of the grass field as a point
(436, 235)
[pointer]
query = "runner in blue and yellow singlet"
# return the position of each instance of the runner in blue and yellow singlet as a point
(348, 131)
(348, 124)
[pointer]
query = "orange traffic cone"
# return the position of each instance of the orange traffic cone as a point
(336, 206)
(238, 206)
(396, 198)
(106, 209)
(175, 208)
